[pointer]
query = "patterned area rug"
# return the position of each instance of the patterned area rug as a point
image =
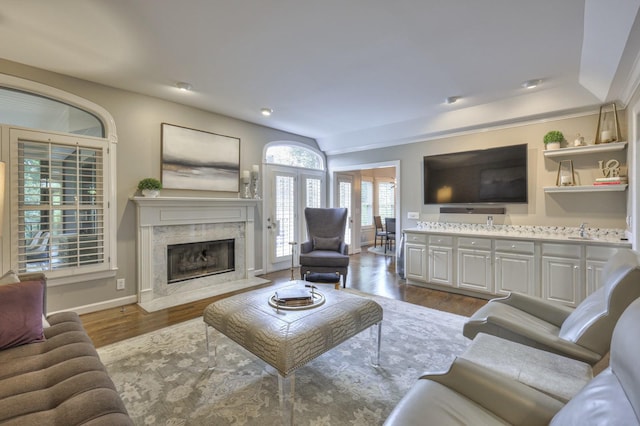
(380, 250)
(163, 378)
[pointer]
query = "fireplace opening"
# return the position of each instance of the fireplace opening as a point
(194, 260)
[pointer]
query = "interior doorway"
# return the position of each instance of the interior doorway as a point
(374, 177)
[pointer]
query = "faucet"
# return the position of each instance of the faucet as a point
(583, 233)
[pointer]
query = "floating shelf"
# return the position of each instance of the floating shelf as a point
(589, 149)
(587, 188)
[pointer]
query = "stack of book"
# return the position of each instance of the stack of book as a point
(293, 297)
(617, 180)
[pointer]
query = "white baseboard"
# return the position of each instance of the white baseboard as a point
(100, 306)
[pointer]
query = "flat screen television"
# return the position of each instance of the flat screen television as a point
(484, 176)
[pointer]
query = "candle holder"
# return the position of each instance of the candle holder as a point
(246, 193)
(608, 129)
(255, 178)
(566, 175)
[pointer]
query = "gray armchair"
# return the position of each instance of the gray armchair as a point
(325, 252)
(583, 333)
(471, 394)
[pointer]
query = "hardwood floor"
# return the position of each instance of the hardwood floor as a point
(368, 272)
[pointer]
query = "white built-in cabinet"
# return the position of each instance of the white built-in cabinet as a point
(514, 266)
(475, 270)
(440, 269)
(489, 266)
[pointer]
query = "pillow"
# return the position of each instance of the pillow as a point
(21, 313)
(10, 278)
(332, 243)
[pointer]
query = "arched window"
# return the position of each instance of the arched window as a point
(62, 151)
(294, 155)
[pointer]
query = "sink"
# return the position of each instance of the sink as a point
(581, 238)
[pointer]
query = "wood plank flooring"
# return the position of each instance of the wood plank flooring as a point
(368, 272)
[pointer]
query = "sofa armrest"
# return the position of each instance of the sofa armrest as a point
(509, 399)
(551, 312)
(344, 248)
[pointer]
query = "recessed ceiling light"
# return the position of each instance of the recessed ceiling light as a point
(530, 84)
(266, 112)
(452, 99)
(185, 87)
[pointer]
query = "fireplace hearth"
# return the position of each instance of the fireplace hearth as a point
(199, 259)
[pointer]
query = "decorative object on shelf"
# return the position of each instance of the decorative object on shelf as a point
(246, 192)
(579, 140)
(608, 129)
(255, 178)
(566, 175)
(195, 159)
(612, 173)
(553, 139)
(150, 187)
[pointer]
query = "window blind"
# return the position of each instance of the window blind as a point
(61, 206)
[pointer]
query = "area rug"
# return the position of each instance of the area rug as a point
(163, 377)
(381, 252)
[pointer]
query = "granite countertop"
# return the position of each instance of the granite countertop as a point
(542, 233)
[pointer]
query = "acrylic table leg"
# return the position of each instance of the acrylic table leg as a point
(212, 358)
(376, 340)
(286, 390)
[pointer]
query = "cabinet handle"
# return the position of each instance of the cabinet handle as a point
(513, 246)
(473, 242)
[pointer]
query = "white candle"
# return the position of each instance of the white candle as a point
(565, 180)
(256, 168)
(605, 136)
(245, 175)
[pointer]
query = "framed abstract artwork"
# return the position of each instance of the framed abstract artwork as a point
(194, 159)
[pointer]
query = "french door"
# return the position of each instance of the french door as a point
(290, 191)
(344, 199)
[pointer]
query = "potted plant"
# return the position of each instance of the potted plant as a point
(150, 187)
(553, 139)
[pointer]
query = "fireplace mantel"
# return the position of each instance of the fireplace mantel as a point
(158, 216)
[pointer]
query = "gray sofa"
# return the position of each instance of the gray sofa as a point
(59, 380)
(471, 394)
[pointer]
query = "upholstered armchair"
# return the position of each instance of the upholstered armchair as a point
(325, 251)
(471, 394)
(583, 333)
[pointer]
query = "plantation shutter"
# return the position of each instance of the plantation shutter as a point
(61, 205)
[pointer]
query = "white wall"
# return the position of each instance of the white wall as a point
(138, 119)
(605, 210)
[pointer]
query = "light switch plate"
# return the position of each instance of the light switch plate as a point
(413, 215)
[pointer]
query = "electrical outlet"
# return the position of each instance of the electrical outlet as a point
(413, 215)
(120, 284)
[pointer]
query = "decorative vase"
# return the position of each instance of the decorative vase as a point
(553, 145)
(151, 193)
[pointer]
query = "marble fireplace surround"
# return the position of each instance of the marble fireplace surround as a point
(163, 221)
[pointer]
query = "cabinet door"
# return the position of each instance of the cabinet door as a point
(440, 269)
(474, 270)
(594, 275)
(415, 262)
(561, 280)
(515, 272)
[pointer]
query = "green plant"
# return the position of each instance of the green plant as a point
(553, 136)
(149, 183)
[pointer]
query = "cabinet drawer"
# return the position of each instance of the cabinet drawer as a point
(416, 238)
(474, 243)
(440, 240)
(563, 250)
(511, 246)
(600, 253)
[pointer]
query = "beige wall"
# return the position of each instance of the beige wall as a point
(138, 119)
(599, 210)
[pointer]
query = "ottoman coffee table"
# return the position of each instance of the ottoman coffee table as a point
(287, 338)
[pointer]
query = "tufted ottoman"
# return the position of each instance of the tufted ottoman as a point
(288, 339)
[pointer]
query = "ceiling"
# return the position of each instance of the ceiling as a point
(351, 74)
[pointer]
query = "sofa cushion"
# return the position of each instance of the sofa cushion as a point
(9, 278)
(21, 313)
(324, 258)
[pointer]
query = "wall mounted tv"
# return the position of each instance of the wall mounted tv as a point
(495, 175)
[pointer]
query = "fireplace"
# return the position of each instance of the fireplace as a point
(213, 241)
(199, 259)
